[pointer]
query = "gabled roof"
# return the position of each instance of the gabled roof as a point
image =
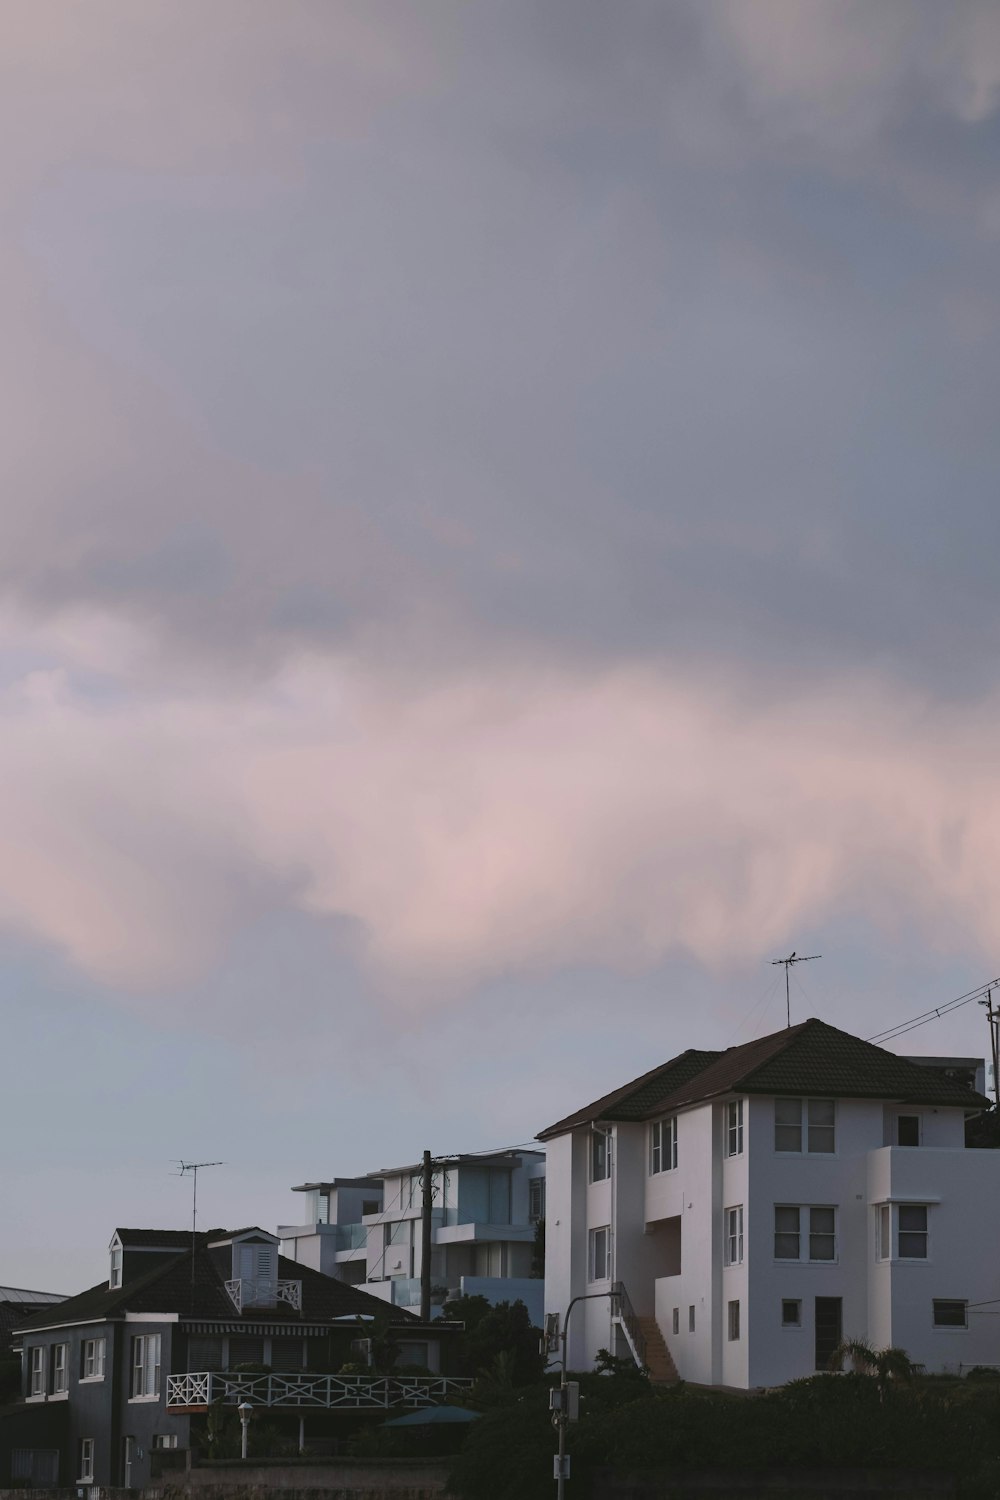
(811, 1058)
(634, 1100)
(168, 1288)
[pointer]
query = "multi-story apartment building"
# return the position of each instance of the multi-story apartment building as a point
(762, 1204)
(484, 1222)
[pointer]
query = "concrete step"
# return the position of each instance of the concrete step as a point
(659, 1360)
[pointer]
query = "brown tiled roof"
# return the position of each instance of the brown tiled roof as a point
(634, 1100)
(811, 1058)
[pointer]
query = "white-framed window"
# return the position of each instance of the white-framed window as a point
(536, 1199)
(907, 1130)
(36, 1383)
(734, 1321)
(791, 1312)
(675, 1320)
(599, 1268)
(733, 1237)
(805, 1125)
(663, 1145)
(164, 1440)
(59, 1381)
(950, 1313)
(115, 1278)
(85, 1468)
(145, 1366)
(691, 1317)
(600, 1155)
(92, 1359)
(902, 1231)
(734, 1127)
(805, 1232)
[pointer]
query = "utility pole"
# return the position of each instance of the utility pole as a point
(793, 958)
(425, 1242)
(993, 1021)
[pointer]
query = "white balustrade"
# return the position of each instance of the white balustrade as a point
(204, 1387)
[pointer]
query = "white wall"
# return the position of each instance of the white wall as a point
(963, 1262)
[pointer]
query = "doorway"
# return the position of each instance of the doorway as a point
(829, 1329)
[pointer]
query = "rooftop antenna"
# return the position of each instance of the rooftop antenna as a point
(793, 958)
(194, 1167)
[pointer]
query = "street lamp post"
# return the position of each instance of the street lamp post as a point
(561, 1417)
(246, 1412)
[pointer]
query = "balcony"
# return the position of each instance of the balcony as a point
(199, 1390)
(247, 1293)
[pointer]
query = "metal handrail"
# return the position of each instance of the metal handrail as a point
(626, 1315)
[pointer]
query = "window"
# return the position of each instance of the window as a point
(164, 1440)
(59, 1352)
(600, 1253)
(805, 1233)
(370, 1206)
(600, 1156)
(791, 1312)
(734, 1235)
(92, 1359)
(663, 1145)
(951, 1314)
(536, 1199)
(691, 1319)
(323, 1208)
(912, 1243)
(734, 1128)
(145, 1366)
(734, 1322)
(39, 1466)
(116, 1266)
(907, 1130)
(907, 1224)
(676, 1320)
(36, 1385)
(808, 1120)
(85, 1470)
(822, 1234)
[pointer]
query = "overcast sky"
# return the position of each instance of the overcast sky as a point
(499, 542)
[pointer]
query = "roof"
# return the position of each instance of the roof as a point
(633, 1101)
(19, 1294)
(505, 1157)
(811, 1058)
(168, 1288)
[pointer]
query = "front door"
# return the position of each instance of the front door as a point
(829, 1329)
(128, 1453)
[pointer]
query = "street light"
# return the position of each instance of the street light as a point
(246, 1412)
(561, 1416)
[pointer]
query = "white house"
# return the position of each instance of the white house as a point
(761, 1204)
(483, 1225)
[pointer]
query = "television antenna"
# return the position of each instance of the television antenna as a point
(194, 1167)
(793, 958)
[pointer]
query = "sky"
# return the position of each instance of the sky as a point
(497, 545)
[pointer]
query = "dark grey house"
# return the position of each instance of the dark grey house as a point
(185, 1330)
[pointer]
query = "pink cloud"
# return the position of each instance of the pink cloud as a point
(476, 828)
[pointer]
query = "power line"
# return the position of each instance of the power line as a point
(931, 1015)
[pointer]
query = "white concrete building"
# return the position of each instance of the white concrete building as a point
(483, 1226)
(761, 1204)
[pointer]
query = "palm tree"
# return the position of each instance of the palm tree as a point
(882, 1364)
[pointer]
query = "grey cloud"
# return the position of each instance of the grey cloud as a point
(598, 335)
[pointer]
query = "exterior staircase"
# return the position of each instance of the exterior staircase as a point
(659, 1360)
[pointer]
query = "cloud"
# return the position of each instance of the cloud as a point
(480, 828)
